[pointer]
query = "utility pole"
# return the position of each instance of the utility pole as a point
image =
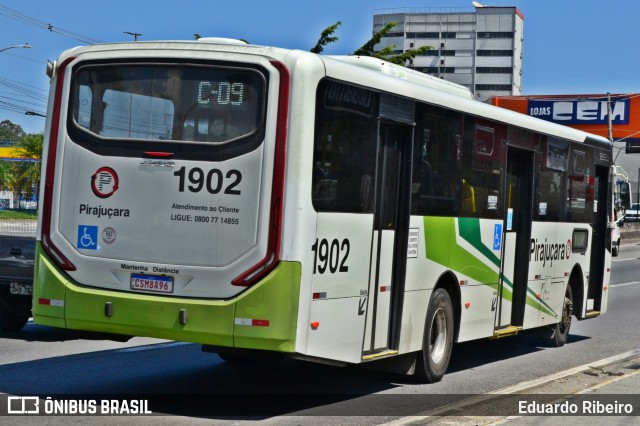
(609, 116)
(135, 35)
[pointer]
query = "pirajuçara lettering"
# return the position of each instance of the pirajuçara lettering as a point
(548, 252)
(100, 211)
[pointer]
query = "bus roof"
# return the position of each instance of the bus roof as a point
(386, 67)
(426, 90)
(363, 71)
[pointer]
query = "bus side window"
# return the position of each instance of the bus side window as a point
(580, 181)
(483, 164)
(344, 152)
(436, 176)
(552, 190)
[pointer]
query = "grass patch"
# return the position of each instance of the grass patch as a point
(18, 214)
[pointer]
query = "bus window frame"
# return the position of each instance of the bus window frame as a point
(180, 150)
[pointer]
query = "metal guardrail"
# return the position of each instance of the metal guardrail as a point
(24, 228)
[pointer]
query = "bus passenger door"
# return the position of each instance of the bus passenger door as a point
(390, 236)
(599, 241)
(512, 291)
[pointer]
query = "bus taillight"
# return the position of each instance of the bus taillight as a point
(47, 244)
(269, 262)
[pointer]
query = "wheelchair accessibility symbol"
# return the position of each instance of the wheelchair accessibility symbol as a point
(87, 237)
(497, 236)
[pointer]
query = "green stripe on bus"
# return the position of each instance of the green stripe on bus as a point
(469, 229)
(441, 247)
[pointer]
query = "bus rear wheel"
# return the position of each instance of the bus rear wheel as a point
(433, 360)
(561, 329)
(15, 311)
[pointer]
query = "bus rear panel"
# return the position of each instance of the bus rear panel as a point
(162, 206)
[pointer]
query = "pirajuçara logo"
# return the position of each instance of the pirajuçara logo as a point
(548, 252)
(104, 182)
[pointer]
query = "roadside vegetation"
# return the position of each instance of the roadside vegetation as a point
(19, 171)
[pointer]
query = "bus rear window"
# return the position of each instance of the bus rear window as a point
(187, 103)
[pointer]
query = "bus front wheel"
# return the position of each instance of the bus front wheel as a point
(433, 360)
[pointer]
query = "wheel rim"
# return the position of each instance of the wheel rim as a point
(438, 340)
(566, 315)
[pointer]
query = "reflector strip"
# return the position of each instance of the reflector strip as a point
(322, 295)
(385, 288)
(252, 322)
(51, 302)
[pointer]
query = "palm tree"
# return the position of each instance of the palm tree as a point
(6, 178)
(26, 174)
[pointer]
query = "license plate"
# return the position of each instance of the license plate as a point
(154, 283)
(21, 288)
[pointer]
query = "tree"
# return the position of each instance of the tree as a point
(6, 178)
(26, 174)
(387, 53)
(10, 131)
(326, 37)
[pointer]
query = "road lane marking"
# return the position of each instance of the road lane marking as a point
(623, 284)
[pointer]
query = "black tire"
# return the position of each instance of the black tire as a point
(432, 362)
(561, 329)
(15, 311)
(615, 250)
(233, 359)
(257, 358)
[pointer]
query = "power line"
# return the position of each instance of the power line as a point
(23, 89)
(26, 19)
(24, 57)
(22, 98)
(10, 106)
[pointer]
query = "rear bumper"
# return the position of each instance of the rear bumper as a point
(263, 317)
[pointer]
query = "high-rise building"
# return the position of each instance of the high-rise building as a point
(478, 48)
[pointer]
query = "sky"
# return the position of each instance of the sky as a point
(570, 46)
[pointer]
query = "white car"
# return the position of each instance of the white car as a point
(615, 239)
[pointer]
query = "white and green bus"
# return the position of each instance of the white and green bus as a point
(259, 200)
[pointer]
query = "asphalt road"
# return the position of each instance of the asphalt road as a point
(183, 383)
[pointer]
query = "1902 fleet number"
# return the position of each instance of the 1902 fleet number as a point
(331, 256)
(213, 180)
